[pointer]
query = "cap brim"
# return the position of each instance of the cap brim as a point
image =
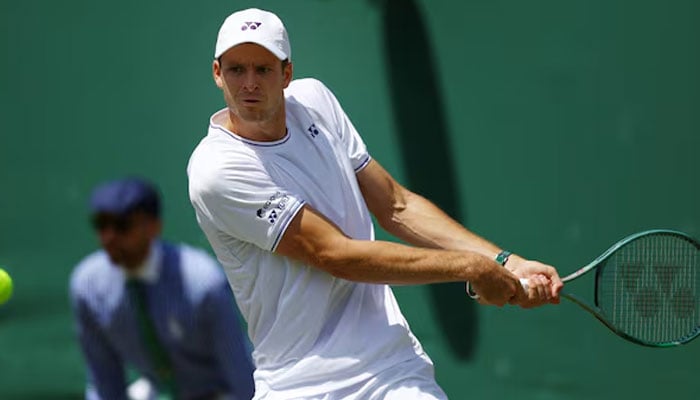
(272, 49)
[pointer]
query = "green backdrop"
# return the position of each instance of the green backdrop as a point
(553, 128)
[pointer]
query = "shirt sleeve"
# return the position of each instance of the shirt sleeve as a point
(105, 372)
(348, 135)
(240, 199)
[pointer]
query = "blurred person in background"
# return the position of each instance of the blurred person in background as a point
(163, 311)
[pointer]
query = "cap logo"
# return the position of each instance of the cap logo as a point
(250, 25)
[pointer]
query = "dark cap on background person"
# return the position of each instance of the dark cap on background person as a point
(122, 197)
(254, 26)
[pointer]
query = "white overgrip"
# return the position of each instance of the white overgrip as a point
(526, 286)
(473, 295)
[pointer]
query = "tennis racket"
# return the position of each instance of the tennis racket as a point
(647, 288)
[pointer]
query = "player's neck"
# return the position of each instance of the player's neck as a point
(268, 130)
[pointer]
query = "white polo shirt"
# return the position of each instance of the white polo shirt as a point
(313, 333)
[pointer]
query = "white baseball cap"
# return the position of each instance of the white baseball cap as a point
(254, 26)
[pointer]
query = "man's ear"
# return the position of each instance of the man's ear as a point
(216, 73)
(288, 73)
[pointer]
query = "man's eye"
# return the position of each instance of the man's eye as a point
(263, 70)
(236, 70)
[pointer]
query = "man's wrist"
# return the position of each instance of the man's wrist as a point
(502, 257)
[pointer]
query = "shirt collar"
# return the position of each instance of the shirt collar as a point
(149, 271)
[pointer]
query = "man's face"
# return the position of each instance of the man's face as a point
(126, 239)
(253, 81)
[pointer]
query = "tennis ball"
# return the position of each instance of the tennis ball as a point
(5, 286)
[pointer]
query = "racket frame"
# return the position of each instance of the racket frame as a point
(600, 262)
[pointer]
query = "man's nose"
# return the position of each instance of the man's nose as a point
(250, 81)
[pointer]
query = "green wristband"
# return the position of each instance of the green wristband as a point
(502, 257)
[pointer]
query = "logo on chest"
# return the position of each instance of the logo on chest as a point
(273, 207)
(313, 131)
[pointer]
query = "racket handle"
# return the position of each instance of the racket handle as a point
(470, 292)
(526, 286)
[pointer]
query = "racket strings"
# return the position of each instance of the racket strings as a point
(650, 289)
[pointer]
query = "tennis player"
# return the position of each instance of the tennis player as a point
(284, 189)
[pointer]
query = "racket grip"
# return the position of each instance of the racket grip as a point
(526, 286)
(470, 292)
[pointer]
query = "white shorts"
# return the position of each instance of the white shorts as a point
(410, 380)
(396, 384)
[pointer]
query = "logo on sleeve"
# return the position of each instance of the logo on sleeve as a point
(273, 207)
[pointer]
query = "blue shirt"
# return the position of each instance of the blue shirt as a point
(193, 312)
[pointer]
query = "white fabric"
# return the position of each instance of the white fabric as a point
(254, 26)
(313, 333)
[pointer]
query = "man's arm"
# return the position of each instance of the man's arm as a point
(417, 221)
(412, 218)
(316, 241)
